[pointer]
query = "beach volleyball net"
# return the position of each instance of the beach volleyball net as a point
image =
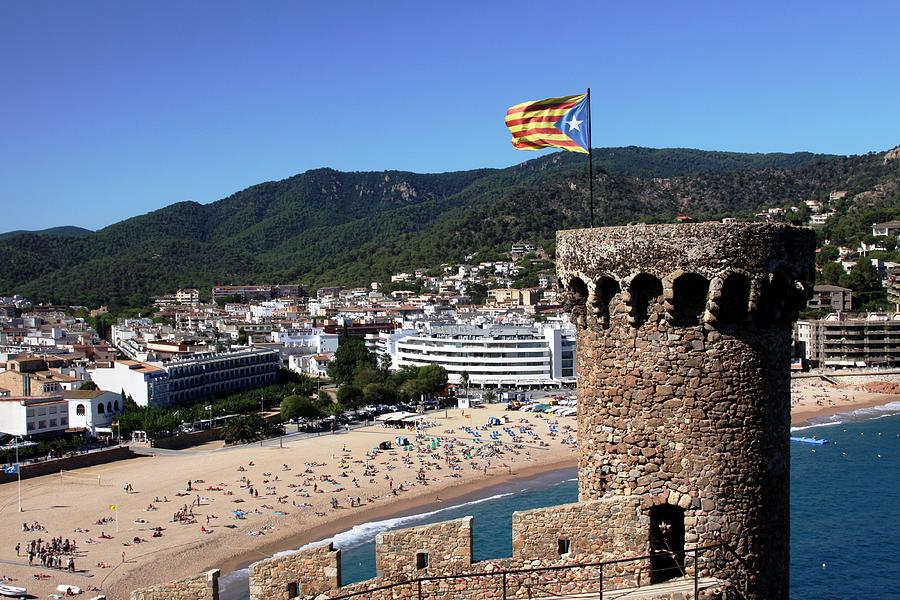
(82, 477)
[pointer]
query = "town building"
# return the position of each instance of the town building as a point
(820, 219)
(191, 378)
(521, 297)
(831, 297)
(93, 411)
(886, 229)
(40, 416)
(187, 296)
(841, 340)
(893, 287)
(145, 383)
(500, 356)
(311, 364)
(246, 293)
(30, 376)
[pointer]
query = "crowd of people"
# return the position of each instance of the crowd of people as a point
(55, 553)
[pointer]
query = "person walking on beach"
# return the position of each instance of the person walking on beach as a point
(18, 547)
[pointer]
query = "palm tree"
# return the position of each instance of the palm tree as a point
(464, 381)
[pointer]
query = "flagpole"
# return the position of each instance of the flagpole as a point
(590, 158)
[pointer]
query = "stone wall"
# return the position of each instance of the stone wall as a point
(596, 530)
(446, 547)
(599, 530)
(199, 587)
(305, 573)
(684, 380)
(70, 463)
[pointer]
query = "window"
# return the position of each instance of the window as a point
(52, 422)
(42, 425)
(100, 408)
(116, 406)
(30, 426)
(563, 545)
(64, 420)
(421, 560)
(109, 407)
(79, 410)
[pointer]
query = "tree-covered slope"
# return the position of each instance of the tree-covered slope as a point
(64, 230)
(325, 226)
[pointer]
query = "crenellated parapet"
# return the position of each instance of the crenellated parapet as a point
(707, 275)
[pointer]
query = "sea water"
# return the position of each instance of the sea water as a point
(845, 513)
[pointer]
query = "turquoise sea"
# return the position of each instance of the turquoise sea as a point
(845, 513)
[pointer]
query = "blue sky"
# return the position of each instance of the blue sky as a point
(112, 109)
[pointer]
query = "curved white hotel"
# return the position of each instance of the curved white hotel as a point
(493, 357)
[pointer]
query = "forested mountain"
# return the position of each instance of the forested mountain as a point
(65, 230)
(328, 227)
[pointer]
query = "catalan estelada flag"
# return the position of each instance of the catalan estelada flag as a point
(551, 123)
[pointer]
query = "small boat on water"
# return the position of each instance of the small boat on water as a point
(12, 591)
(809, 440)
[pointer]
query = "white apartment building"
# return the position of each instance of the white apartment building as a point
(187, 296)
(33, 416)
(146, 383)
(93, 410)
(306, 341)
(499, 356)
(192, 378)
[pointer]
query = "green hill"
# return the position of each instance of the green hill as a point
(65, 231)
(329, 227)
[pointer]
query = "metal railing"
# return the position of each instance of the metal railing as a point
(600, 580)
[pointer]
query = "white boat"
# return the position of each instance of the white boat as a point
(12, 591)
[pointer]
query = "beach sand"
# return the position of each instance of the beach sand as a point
(296, 486)
(817, 397)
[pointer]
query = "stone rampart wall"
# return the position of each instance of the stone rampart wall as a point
(70, 463)
(440, 548)
(199, 587)
(306, 573)
(593, 531)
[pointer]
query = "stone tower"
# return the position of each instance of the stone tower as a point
(684, 346)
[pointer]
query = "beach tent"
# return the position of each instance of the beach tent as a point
(395, 418)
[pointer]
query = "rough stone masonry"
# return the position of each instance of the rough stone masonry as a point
(684, 345)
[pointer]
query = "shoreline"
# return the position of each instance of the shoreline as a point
(802, 416)
(465, 492)
(184, 552)
(470, 491)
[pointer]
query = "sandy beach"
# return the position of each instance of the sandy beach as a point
(307, 490)
(813, 396)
